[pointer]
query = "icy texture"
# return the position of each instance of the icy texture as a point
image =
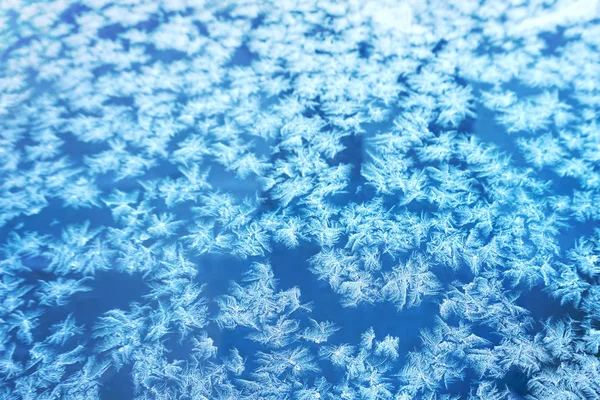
(299, 199)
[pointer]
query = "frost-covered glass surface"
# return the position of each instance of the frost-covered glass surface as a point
(366, 199)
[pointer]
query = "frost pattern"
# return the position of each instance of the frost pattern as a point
(299, 200)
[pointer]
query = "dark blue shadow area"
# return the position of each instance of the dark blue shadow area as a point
(53, 218)
(117, 385)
